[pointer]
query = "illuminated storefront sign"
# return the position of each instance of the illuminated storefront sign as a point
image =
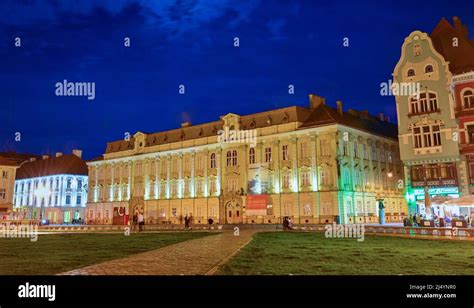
(437, 191)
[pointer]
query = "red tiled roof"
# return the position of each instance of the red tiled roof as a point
(7, 162)
(324, 115)
(252, 121)
(18, 158)
(65, 164)
(460, 57)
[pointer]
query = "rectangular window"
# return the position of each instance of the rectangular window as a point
(305, 179)
(470, 133)
(436, 135)
(79, 200)
(304, 149)
(426, 136)
(374, 152)
(3, 193)
(68, 199)
(213, 186)
(344, 148)
(356, 150)
(285, 152)
(414, 106)
(286, 181)
(323, 147)
(199, 162)
(187, 164)
(364, 151)
(4, 174)
(417, 137)
(268, 155)
(199, 187)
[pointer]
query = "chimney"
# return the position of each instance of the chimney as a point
(59, 154)
(45, 156)
(459, 26)
(339, 107)
(387, 119)
(380, 116)
(78, 153)
(185, 124)
(315, 101)
(364, 114)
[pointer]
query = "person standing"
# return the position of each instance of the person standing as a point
(134, 221)
(141, 222)
(190, 221)
(210, 221)
(186, 222)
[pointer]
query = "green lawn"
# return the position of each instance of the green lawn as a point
(284, 253)
(57, 253)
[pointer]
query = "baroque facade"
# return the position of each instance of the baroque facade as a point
(315, 165)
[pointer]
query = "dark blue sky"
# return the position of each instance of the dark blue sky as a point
(190, 42)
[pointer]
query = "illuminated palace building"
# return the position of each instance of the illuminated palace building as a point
(315, 165)
(51, 189)
(436, 125)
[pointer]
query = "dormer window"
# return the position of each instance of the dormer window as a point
(410, 72)
(429, 69)
(269, 120)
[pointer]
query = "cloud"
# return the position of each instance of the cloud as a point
(174, 15)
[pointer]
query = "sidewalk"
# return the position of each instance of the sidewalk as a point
(195, 257)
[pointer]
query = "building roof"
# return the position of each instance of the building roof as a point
(318, 114)
(65, 164)
(252, 121)
(362, 120)
(7, 162)
(18, 158)
(460, 56)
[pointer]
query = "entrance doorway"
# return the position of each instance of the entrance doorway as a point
(233, 213)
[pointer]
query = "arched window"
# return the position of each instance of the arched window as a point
(411, 72)
(213, 160)
(252, 156)
(429, 68)
(234, 158)
(229, 158)
(468, 99)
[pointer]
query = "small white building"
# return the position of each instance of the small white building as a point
(52, 189)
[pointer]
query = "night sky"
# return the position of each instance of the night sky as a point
(185, 42)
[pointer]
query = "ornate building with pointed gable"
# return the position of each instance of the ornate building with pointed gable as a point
(434, 125)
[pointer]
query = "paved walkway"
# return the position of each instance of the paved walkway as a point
(201, 256)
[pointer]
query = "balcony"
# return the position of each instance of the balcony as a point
(466, 148)
(435, 183)
(462, 111)
(420, 113)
